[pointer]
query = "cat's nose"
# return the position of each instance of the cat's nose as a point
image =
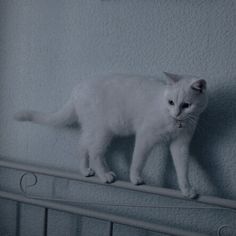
(177, 113)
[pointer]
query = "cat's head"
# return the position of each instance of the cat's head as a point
(185, 96)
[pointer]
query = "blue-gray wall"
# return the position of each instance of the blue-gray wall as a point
(46, 46)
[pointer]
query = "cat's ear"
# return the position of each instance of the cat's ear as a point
(199, 85)
(172, 78)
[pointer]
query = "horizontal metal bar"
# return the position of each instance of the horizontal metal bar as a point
(119, 184)
(99, 215)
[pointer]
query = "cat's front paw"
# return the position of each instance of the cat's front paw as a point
(88, 172)
(137, 180)
(108, 177)
(189, 193)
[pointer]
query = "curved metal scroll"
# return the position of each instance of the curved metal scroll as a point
(220, 231)
(24, 187)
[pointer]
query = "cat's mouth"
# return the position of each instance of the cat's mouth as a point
(179, 122)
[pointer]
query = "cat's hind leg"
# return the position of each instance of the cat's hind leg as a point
(85, 170)
(99, 142)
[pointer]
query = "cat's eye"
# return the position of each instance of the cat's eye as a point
(171, 102)
(185, 105)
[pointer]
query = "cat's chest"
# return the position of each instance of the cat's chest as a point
(174, 130)
(168, 129)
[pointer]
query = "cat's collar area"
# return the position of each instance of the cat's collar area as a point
(179, 124)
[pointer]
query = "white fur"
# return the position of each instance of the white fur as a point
(125, 105)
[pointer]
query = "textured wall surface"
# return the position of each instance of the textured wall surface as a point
(46, 46)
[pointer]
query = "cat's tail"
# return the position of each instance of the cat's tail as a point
(65, 116)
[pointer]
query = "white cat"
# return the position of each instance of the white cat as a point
(124, 105)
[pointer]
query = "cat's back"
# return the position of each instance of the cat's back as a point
(119, 85)
(119, 101)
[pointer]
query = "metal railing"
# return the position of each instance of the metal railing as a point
(111, 218)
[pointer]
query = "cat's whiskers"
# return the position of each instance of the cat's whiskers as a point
(193, 121)
(188, 119)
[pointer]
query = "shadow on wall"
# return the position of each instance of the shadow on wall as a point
(119, 158)
(122, 150)
(215, 127)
